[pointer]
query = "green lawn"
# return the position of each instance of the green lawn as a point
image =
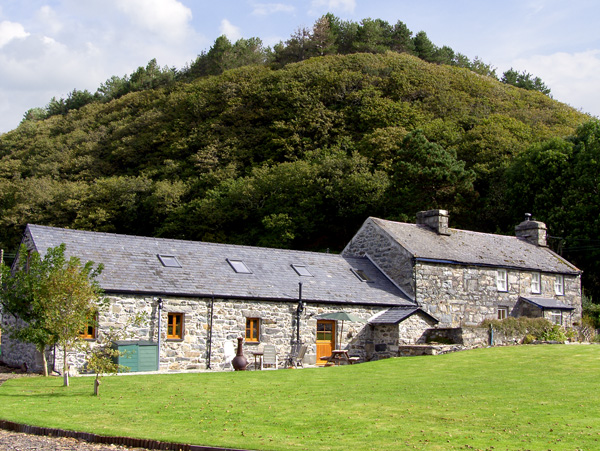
(527, 397)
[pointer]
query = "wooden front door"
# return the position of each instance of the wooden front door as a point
(325, 339)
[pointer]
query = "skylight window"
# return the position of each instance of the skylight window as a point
(170, 261)
(239, 266)
(362, 276)
(302, 270)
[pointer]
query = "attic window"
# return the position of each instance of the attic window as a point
(302, 270)
(362, 276)
(239, 266)
(170, 261)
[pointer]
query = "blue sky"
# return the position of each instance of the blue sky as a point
(50, 47)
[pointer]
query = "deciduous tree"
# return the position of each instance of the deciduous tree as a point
(53, 299)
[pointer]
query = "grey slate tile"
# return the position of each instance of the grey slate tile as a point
(131, 264)
(467, 247)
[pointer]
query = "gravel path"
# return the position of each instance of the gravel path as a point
(15, 441)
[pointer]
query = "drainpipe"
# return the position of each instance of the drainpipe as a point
(160, 307)
(299, 311)
(212, 305)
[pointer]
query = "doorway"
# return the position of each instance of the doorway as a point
(325, 339)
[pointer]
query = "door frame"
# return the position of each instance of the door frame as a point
(324, 342)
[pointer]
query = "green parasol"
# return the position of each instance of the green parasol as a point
(341, 316)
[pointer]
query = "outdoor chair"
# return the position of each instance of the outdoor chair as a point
(228, 354)
(269, 357)
(291, 358)
(300, 357)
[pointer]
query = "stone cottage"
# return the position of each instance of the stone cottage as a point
(196, 296)
(402, 279)
(462, 277)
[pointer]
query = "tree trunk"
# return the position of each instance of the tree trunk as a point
(96, 386)
(65, 368)
(44, 361)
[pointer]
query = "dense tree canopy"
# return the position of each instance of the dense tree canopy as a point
(293, 146)
(559, 179)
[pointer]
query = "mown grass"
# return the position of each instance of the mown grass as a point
(528, 397)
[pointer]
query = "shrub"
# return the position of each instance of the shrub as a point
(554, 333)
(531, 329)
(591, 312)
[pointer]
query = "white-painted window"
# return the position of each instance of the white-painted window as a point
(502, 312)
(556, 317)
(502, 280)
(536, 283)
(559, 285)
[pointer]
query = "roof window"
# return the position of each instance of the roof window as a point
(362, 276)
(239, 266)
(170, 261)
(302, 270)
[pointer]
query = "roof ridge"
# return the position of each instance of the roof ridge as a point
(179, 240)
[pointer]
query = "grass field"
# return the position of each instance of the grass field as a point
(527, 397)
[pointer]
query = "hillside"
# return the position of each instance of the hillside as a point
(297, 156)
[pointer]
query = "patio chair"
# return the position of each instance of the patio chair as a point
(300, 356)
(228, 354)
(269, 357)
(291, 358)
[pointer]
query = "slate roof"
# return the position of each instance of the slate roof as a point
(547, 303)
(131, 265)
(474, 248)
(396, 315)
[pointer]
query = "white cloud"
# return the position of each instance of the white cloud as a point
(573, 77)
(232, 32)
(10, 31)
(166, 18)
(76, 45)
(49, 20)
(346, 6)
(266, 9)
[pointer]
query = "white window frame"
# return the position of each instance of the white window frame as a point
(559, 285)
(502, 312)
(502, 279)
(536, 283)
(556, 317)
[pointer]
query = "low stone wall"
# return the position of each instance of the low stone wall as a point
(471, 337)
(416, 350)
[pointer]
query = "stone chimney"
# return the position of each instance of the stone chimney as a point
(437, 220)
(533, 232)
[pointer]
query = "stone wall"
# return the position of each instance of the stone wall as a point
(18, 354)
(277, 327)
(460, 295)
(387, 338)
(385, 252)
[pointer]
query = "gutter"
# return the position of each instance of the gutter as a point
(108, 292)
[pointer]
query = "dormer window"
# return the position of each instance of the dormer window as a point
(536, 283)
(169, 261)
(302, 270)
(239, 266)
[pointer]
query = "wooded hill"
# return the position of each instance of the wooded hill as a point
(299, 155)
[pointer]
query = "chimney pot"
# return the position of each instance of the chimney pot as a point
(437, 220)
(533, 232)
